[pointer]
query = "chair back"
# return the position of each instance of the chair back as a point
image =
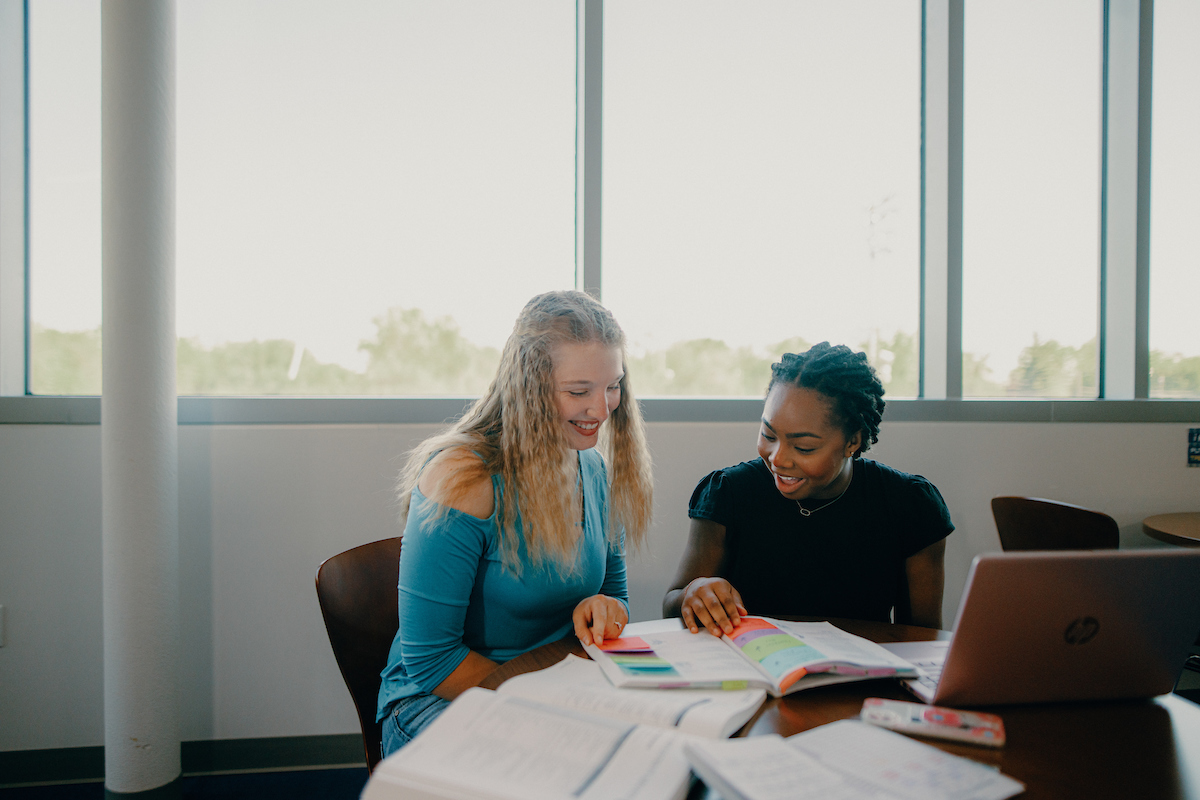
(357, 592)
(1031, 523)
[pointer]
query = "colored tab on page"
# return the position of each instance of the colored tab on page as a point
(635, 665)
(786, 682)
(762, 646)
(748, 624)
(625, 644)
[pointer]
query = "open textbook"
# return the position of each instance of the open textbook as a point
(563, 732)
(578, 684)
(846, 760)
(781, 657)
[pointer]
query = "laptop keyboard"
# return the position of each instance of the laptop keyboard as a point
(928, 658)
(929, 672)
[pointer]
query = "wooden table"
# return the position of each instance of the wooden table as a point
(1091, 751)
(1182, 529)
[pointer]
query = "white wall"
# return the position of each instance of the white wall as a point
(262, 506)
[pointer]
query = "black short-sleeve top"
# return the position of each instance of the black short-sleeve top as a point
(844, 560)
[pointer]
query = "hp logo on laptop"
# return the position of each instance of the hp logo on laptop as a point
(1082, 630)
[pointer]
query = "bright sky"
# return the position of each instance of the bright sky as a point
(760, 174)
(1031, 174)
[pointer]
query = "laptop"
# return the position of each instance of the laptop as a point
(1050, 626)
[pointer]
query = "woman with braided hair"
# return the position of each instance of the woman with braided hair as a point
(516, 524)
(810, 527)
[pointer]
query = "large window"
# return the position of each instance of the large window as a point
(1031, 197)
(368, 191)
(762, 186)
(64, 197)
(1175, 202)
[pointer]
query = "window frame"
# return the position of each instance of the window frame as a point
(14, 194)
(1123, 271)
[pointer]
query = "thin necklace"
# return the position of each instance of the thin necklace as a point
(804, 512)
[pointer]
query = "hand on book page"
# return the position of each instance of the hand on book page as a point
(778, 656)
(489, 747)
(846, 760)
(792, 651)
(579, 684)
(662, 655)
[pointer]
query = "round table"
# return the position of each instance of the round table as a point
(1182, 529)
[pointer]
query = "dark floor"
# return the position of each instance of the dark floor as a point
(319, 784)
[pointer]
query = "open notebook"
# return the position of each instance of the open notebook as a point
(1047, 626)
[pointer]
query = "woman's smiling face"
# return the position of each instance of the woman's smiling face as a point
(587, 387)
(808, 455)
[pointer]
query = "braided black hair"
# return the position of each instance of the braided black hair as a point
(846, 378)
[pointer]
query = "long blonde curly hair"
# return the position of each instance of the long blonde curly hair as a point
(516, 432)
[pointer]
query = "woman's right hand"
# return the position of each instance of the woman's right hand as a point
(711, 603)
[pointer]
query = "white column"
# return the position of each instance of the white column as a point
(138, 409)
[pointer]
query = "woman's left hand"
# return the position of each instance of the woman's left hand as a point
(599, 617)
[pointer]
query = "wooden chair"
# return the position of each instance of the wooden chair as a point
(357, 592)
(1031, 523)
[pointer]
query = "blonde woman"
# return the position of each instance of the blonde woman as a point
(516, 525)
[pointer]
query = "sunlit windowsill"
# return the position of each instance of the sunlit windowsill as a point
(39, 410)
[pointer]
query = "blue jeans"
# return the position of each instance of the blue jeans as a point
(408, 717)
